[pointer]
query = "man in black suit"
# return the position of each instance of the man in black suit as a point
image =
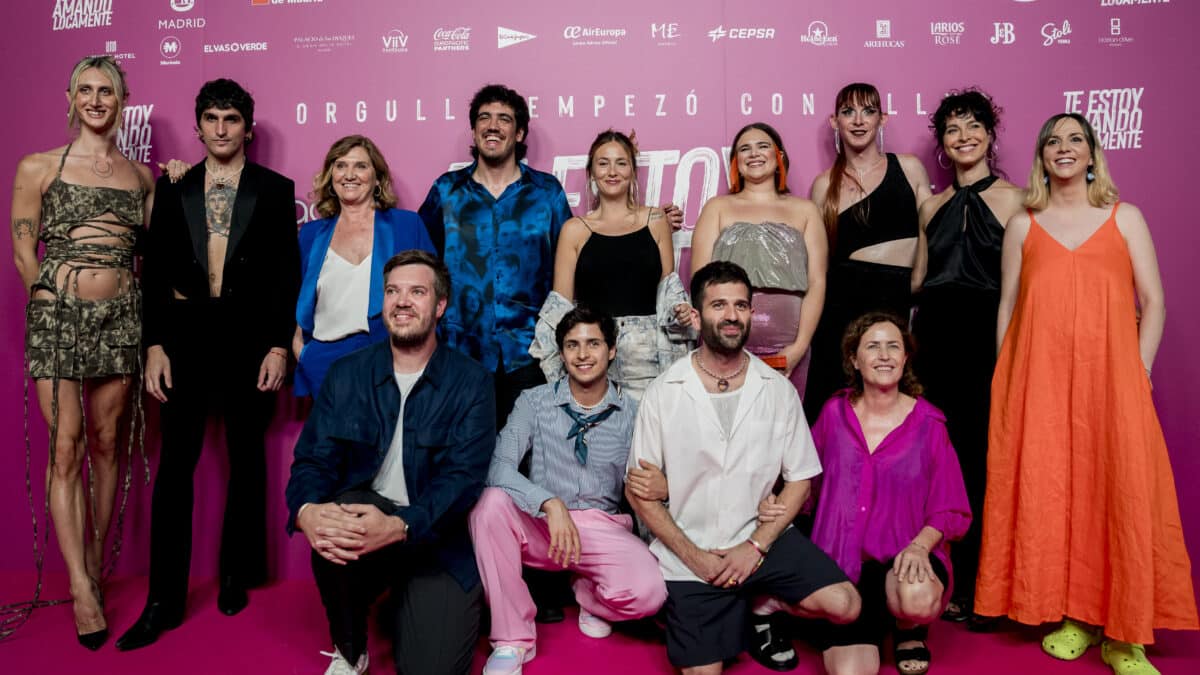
(220, 278)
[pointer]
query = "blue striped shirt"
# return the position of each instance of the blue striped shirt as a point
(539, 425)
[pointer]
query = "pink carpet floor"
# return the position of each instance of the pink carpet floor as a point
(283, 630)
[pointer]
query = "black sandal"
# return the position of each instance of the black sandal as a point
(917, 634)
(770, 647)
(957, 610)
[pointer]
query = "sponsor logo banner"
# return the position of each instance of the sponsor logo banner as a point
(75, 14)
(507, 37)
(1116, 114)
(452, 39)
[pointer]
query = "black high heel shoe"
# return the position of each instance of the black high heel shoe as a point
(96, 639)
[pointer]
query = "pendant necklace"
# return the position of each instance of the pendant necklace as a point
(722, 381)
(221, 181)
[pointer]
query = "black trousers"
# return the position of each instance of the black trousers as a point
(436, 621)
(210, 377)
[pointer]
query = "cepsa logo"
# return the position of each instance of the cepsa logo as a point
(741, 33)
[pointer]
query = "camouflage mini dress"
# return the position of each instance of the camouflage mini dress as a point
(67, 337)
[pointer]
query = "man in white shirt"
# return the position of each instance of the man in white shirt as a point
(724, 427)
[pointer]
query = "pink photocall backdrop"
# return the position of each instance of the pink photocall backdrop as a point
(684, 74)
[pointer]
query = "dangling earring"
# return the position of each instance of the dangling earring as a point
(879, 138)
(837, 142)
(377, 192)
(780, 172)
(1045, 179)
(941, 157)
(633, 193)
(593, 188)
(1091, 176)
(735, 179)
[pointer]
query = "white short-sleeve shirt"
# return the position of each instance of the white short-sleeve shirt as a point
(717, 479)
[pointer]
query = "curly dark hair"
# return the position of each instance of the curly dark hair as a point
(498, 93)
(223, 94)
(853, 337)
(973, 102)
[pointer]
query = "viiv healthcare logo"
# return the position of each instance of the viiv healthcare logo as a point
(1056, 35)
(1005, 33)
(452, 39)
(741, 33)
(665, 34)
(169, 49)
(1116, 114)
(110, 48)
(183, 5)
(582, 36)
(72, 14)
(133, 138)
(947, 32)
(818, 35)
(507, 37)
(395, 42)
(883, 35)
(1115, 37)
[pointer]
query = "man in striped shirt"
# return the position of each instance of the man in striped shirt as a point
(564, 515)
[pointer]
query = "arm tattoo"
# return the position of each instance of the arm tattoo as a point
(23, 227)
(655, 214)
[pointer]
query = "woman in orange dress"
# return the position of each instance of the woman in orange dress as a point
(1081, 523)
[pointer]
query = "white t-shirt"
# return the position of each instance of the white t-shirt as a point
(389, 482)
(716, 478)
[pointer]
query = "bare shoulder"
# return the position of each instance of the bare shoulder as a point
(930, 206)
(1019, 224)
(574, 230)
(803, 212)
(820, 184)
(911, 165)
(144, 173)
(38, 164)
(1130, 219)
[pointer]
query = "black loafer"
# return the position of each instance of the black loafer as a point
(156, 618)
(769, 648)
(232, 598)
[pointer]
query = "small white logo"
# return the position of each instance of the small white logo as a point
(742, 33)
(664, 31)
(883, 29)
(1114, 26)
(947, 32)
(1052, 34)
(170, 47)
(110, 46)
(183, 5)
(452, 39)
(717, 33)
(395, 42)
(818, 35)
(1005, 35)
(507, 37)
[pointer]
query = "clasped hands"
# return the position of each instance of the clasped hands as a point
(344, 532)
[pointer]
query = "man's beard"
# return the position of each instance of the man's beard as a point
(415, 336)
(722, 344)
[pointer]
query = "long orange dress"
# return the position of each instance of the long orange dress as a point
(1080, 516)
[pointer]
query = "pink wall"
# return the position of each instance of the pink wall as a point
(685, 75)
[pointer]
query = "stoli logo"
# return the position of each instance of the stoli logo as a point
(460, 33)
(1053, 33)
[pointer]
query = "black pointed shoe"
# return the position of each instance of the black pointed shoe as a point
(155, 619)
(232, 598)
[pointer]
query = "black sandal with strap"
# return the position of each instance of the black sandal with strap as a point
(917, 634)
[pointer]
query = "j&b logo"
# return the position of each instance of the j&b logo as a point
(1005, 34)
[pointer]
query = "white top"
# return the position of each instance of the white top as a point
(389, 482)
(716, 479)
(343, 291)
(726, 405)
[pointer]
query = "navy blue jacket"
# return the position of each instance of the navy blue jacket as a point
(449, 438)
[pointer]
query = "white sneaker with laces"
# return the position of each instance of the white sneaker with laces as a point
(592, 625)
(340, 666)
(507, 660)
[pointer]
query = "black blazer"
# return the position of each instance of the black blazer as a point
(262, 261)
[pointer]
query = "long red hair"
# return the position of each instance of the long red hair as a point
(856, 93)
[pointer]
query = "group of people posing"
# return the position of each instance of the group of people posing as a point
(630, 407)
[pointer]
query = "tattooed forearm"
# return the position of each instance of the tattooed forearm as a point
(23, 227)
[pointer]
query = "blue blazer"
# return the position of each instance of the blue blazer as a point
(395, 231)
(449, 438)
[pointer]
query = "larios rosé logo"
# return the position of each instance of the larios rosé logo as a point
(947, 32)
(452, 39)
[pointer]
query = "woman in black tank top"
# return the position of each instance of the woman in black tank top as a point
(868, 200)
(957, 281)
(618, 260)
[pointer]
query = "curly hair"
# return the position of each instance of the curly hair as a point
(853, 337)
(973, 102)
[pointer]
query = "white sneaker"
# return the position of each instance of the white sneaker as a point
(592, 625)
(340, 666)
(507, 660)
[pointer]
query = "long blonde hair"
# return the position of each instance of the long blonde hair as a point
(1101, 190)
(112, 70)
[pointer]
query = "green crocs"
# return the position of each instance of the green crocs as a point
(1126, 658)
(1071, 640)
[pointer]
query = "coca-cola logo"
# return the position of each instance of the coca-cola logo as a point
(1056, 34)
(460, 33)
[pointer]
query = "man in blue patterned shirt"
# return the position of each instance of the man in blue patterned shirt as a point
(564, 516)
(496, 224)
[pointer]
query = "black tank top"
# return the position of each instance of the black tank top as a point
(887, 214)
(964, 241)
(619, 274)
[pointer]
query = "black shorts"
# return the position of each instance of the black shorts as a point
(875, 621)
(707, 624)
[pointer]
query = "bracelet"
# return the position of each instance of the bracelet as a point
(281, 353)
(919, 545)
(758, 547)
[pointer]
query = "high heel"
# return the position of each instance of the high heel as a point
(95, 639)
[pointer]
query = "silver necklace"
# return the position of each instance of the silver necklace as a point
(722, 380)
(220, 181)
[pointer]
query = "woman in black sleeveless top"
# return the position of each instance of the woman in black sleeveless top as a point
(957, 281)
(868, 200)
(618, 259)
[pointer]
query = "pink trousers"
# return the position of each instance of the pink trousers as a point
(617, 578)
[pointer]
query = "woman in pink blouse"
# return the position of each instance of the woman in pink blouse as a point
(890, 498)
